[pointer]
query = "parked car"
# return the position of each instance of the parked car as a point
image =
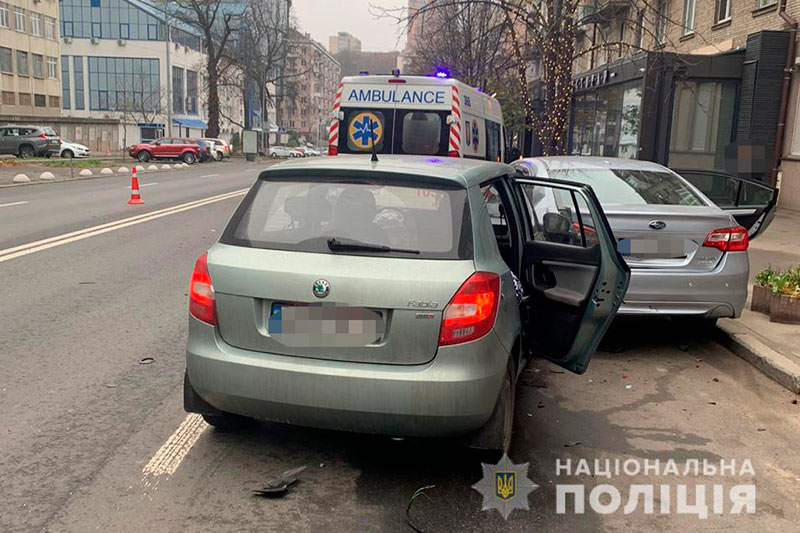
(280, 151)
(431, 334)
(221, 148)
(301, 150)
(206, 150)
(688, 257)
(70, 149)
(311, 152)
(181, 148)
(297, 153)
(29, 141)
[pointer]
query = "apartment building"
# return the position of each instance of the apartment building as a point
(30, 85)
(120, 59)
(343, 42)
(312, 76)
(691, 84)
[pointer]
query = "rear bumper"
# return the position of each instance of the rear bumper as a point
(721, 292)
(453, 394)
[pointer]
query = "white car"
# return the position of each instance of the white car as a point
(70, 149)
(281, 151)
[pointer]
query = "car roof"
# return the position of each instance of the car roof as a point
(564, 162)
(465, 172)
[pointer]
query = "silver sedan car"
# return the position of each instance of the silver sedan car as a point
(688, 257)
(401, 298)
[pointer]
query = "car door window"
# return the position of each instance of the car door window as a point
(558, 216)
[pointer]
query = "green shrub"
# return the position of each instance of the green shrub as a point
(765, 277)
(785, 282)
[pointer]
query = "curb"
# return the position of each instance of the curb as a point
(775, 366)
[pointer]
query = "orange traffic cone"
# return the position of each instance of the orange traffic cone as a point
(136, 198)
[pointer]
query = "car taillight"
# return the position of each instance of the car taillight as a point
(202, 304)
(43, 135)
(471, 312)
(733, 239)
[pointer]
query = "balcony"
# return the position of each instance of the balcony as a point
(599, 11)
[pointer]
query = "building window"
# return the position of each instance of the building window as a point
(124, 84)
(77, 73)
(55, 101)
(24, 99)
(36, 24)
(765, 3)
(52, 67)
(9, 98)
(124, 31)
(49, 27)
(39, 100)
(177, 90)
(22, 63)
(38, 66)
(4, 20)
(702, 123)
(6, 61)
(68, 30)
(638, 38)
(19, 19)
(97, 30)
(65, 81)
(191, 92)
(152, 32)
(95, 3)
(688, 17)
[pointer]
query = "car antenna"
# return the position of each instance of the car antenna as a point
(372, 141)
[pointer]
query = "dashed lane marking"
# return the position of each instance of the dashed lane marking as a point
(13, 203)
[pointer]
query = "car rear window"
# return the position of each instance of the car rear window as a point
(50, 131)
(626, 186)
(302, 214)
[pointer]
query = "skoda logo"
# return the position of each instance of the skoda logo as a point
(657, 224)
(321, 288)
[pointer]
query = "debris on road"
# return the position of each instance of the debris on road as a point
(279, 486)
(628, 386)
(418, 492)
(146, 360)
(712, 403)
(683, 347)
(715, 380)
(572, 444)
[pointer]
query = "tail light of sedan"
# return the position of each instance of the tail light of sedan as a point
(202, 304)
(471, 312)
(735, 239)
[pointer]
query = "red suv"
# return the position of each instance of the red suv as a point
(167, 148)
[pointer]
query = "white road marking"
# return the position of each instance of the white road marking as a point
(252, 170)
(210, 176)
(14, 203)
(143, 185)
(168, 458)
(52, 242)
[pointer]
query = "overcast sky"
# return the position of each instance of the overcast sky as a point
(322, 18)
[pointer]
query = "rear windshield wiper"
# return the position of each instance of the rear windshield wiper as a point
(357, 246)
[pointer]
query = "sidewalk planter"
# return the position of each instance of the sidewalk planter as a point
(760, 302)
(784, 309)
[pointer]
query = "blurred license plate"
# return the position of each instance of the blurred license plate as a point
(654, 248)
(326, 320)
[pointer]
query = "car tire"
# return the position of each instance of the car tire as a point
(494, 438)
(143, 156)
(227, 421)
(26, 151)
(218, 156)
(67, 154)
(694, 324)
(189, 158)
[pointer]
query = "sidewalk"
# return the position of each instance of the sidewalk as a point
(35, 171)
(772, 348)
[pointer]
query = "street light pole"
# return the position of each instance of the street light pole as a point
(169, 70)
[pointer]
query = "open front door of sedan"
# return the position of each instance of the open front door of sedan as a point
(573, 275)
(751, 203)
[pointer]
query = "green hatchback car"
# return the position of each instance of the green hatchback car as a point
(402, 297)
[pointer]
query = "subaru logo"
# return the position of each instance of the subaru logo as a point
(321, 288)
(657, 224)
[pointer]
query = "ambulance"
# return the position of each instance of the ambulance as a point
(420, 115)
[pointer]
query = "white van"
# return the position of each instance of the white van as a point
(415, 115)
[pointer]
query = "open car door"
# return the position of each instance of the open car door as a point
(751, 203)
(573, 275)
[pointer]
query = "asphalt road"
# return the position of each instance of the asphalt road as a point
(83, 425)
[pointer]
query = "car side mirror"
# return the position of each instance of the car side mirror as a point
(157, 143)
(556, 227)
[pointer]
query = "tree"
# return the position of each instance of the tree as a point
(217, 22)
(138, 99)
